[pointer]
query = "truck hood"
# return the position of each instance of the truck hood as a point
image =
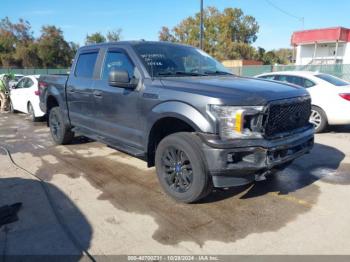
(240, 90)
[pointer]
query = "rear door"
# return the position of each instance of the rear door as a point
(21, 94)
(79, 89)
(15, 94)
(27, 93)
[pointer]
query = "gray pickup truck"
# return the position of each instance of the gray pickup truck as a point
(180, 110)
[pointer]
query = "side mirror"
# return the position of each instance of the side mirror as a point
(121, 78)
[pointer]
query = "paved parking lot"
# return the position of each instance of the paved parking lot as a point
(113, 204)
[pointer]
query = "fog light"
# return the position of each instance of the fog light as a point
(249, 158)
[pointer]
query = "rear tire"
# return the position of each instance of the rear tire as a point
(32, 113)
(181, 168)
(319, 119)
(61, 132)
(12, 110)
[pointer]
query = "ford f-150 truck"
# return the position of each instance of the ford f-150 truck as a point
(180, 110)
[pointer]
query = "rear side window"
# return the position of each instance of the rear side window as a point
(86, 64)
(296, 80)
(308, 83)
(118, 61)
(333, 80)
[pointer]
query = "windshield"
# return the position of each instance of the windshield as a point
(165, 59)
(333, 80)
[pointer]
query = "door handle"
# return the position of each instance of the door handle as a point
(97, 93)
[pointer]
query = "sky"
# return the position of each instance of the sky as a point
(142, 19)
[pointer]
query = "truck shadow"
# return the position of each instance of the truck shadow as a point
(339, 129)
(38, 232)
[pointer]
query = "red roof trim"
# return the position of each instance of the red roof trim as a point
(321, 35)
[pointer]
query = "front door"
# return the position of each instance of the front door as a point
(117, 108)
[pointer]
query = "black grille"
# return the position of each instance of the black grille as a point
(287, 115)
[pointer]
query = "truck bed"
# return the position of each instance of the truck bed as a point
(56, 82)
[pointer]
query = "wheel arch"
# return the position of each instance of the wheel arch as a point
(172, 117)
(51, 102)
(163, 127)
(321, 108)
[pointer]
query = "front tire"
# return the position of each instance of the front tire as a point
(181, 168)
(319, 119)
(61, 132)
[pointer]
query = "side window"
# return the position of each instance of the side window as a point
(308, 83)
(119, 61)
(28, 83)
(281, 78)
(21, 83)
(296, 80)
(268, 77)
(86, 65)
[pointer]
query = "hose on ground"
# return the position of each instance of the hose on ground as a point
(52, 204)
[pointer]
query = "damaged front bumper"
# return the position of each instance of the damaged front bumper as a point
(239, 162)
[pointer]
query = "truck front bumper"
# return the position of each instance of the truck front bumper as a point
(238, 162)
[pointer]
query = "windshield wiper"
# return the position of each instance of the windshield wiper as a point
(171, 73)
(217, 72)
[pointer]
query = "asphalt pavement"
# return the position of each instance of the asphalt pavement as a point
(113, 204)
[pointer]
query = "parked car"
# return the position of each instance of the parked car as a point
(179, 109)
(24, 97)
(330, 96)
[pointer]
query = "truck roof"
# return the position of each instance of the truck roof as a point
(131, 42)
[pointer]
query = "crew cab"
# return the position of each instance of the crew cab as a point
(180, 110)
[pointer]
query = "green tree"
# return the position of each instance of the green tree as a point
(228, 34)
(73, 49)
(12, 36)
(165, 35)
(95, 38)
(27, 55)
(114, 36)
(281, 56)
(53, 49)
(285, 55)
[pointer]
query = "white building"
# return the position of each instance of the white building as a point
(322, 46)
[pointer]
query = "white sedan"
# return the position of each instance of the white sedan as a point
(330, 95)
(24, 97)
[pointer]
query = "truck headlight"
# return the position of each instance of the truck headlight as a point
(234, 121)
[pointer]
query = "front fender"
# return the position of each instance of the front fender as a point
(182, 111)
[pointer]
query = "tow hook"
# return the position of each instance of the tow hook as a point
(262, 176)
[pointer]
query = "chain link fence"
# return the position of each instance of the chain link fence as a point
(34, 71)
(339, 70)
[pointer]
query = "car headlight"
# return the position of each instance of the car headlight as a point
(235, 121)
